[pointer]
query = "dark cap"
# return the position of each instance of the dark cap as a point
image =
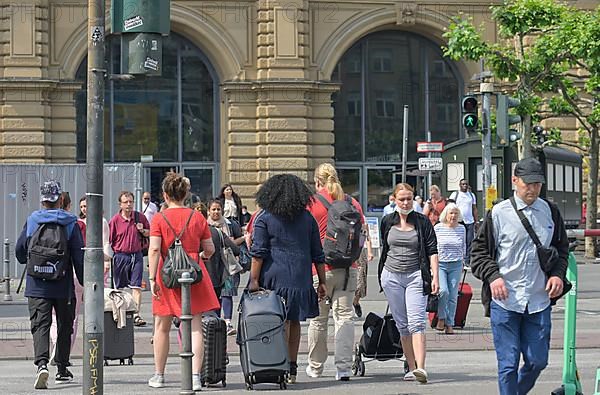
(50, 191)
(530, 170)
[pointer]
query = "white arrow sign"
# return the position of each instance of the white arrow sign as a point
(430, 164)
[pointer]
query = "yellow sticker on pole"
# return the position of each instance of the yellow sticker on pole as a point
(490, 196)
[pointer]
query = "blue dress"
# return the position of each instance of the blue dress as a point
(288, 250)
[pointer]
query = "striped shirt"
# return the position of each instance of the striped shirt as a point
(451, 242)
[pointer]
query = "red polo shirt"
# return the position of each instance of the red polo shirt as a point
(319, 211)
(124, 236)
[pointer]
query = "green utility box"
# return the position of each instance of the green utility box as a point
(141, 16)
(141, 53)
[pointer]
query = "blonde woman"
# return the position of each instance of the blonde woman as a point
(451, 239)
(341, 286)
(408, 272)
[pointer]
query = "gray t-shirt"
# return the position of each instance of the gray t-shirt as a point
(403, 255)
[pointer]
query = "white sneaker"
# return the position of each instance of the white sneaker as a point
(196, 383)
(409, 377)
(311, 373)
(420, 375)
(157, 381)
(342, 376)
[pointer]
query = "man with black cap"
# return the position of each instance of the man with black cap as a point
(516, 292)
(51, 245)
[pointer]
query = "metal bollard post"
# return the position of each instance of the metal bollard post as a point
(186, 353)
(6, 274)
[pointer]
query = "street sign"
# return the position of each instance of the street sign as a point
(430, 164)
(429, 146)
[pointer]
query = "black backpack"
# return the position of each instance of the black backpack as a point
(342, 238)
(48, 252)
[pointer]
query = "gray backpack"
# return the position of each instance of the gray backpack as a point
(342, 238)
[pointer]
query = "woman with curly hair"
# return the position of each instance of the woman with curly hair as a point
(285, 244)
(231, 204)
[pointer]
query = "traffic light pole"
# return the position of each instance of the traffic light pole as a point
(93, 342)
(486, 143)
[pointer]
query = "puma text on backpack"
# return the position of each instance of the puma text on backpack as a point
(342, 238)
(48, 252)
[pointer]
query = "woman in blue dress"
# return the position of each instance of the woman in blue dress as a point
(285, 245)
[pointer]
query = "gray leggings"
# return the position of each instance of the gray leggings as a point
(404, 292)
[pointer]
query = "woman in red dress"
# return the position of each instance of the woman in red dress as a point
(166, 303)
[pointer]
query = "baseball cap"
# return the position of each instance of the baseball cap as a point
(50, 191)
(530, 170)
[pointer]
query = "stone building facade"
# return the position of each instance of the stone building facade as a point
(249, 88)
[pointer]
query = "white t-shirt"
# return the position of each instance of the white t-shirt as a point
(465, 202)
(149, 210)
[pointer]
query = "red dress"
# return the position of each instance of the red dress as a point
(203, 294)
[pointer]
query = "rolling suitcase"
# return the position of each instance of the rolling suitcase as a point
(261, 337)
(465, 293)
(214, 367)
(118, 342)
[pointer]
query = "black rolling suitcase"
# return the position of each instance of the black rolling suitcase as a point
(214, 367)
(118, 343)
(261, 336)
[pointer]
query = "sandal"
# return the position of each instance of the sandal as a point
(441, 325)
(138, 321)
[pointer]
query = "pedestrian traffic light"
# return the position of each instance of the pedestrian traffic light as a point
(141, 25)
(504, 134)
(469, 109)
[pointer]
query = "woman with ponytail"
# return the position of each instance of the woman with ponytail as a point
(341, 286)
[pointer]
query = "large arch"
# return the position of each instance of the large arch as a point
(198, 27)
(431, 25)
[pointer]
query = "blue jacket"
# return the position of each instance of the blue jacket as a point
(58, 289)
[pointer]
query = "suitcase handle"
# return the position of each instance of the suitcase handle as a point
(463, 280)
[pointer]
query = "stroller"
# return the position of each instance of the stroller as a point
(380, 341)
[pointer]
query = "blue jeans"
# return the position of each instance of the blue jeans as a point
(449, 276)
(516, 334)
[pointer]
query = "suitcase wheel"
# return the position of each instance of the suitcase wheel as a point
(224, 384)
(105, 362)
(361, 368)
(130, 361)
(249, 387)
(283, 385)
(121, 361)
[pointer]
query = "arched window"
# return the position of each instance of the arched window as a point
(379, 75)
(173, 117)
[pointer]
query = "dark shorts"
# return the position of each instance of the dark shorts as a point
(128, 270)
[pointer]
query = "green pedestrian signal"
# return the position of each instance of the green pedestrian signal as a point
(469, 109)
(470, 121)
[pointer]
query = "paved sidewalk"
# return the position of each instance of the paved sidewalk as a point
(452, 372)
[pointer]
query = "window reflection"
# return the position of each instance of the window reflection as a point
(380, 74)
(150, 114)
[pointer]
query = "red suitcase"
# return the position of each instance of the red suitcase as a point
(465, 293)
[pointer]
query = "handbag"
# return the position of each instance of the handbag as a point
(178, 261)
(228, 257)
(432, 303)
(548, 256)
(145, 241)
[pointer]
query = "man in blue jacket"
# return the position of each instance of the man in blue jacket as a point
(46, 291)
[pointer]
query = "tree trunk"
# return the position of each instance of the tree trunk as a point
(592, 195)
(527, 149)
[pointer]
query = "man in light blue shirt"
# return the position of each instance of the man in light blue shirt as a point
(391, 206)
(504, 256)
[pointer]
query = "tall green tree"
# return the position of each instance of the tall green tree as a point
(571, 76)
(551, 52)
(511, 58)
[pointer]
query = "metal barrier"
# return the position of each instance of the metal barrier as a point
(6, 271)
